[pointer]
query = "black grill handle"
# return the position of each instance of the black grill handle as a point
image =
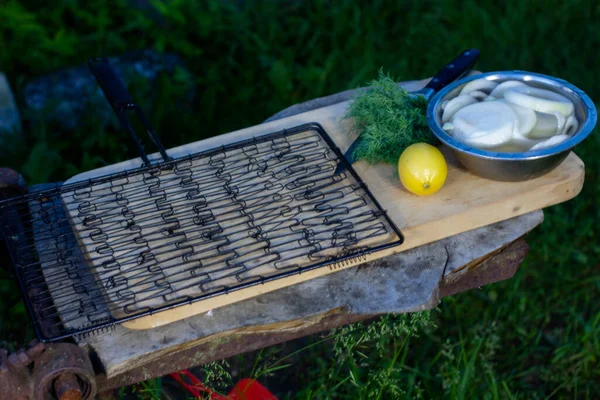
(121, 102)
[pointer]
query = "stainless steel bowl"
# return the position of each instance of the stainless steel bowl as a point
(521, 166)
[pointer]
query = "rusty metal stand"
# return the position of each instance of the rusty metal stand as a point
(61, 370)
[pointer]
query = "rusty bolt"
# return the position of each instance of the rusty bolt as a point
(35, 349)
(67, 387)
(65, 370)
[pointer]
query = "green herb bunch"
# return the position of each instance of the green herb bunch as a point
(389, 120)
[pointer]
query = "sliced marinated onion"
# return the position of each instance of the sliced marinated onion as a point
(448, 126)
(547, 125)
(498, 92)
(541, 100)
(526, 118)
(553, 141)
(444, 103)
(478, 85)
(485, 125)
(478, 95)
(510, 148)
(571, 125)
(514, 117)
(456, 104)
(524, 142)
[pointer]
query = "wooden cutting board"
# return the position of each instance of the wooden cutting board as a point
(464, 203)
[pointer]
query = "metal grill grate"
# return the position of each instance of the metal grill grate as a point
(111, 249)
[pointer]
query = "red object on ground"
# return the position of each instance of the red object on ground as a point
(246, 389)
(249, 389)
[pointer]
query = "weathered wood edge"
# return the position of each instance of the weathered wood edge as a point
(500, 266)
(409, 281)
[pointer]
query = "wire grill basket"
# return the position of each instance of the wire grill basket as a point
(102, 251)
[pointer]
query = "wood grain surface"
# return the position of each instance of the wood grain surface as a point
(466, 202)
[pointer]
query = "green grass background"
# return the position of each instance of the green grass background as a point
(536, 335)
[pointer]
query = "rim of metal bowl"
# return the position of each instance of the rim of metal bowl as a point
(568, 144)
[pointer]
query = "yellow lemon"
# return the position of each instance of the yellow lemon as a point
(422, 169)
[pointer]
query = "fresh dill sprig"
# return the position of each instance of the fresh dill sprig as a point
(389, 120)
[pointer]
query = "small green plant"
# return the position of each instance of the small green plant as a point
(349, 339)
(364, 361)
(369, 354)
(217, 376)
(467, 366)
(147, 390)
(388, 119)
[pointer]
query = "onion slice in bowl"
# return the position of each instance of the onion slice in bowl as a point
(523, 142)
(541, 100)
(478, 95)
(456, 104)
(448, 126)
(481, 85)
(547, 125)
(498, 92)
(571, 125)
(553, 141)
(485, 125)
(526, 118)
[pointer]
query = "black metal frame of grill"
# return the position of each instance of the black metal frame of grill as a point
(168, 162)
